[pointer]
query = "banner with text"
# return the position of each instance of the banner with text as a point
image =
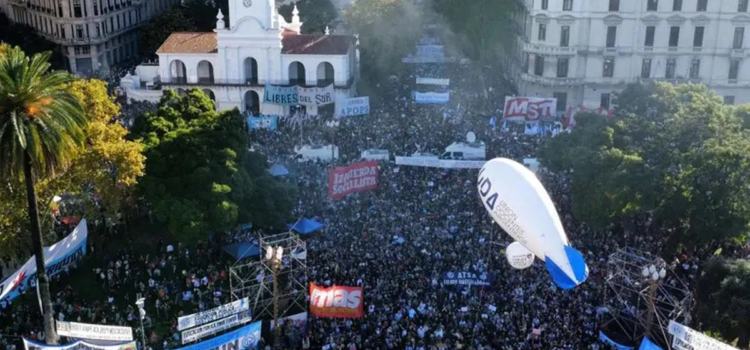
(94, 331)
(316, 96)
(57, 258)
(298, 321)
(270, 122)
(529, 108)
(245, 338)
(686, 338)
(214, 314)
(354, 106)
(281, 95)
(79, 345)
(357, 177)
(207, 329)
(440, 163)
(433, 81)
(432, 97)
(336, 301)
(465, 278)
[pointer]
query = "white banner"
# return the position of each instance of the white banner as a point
(686, 338)
(432, 97)
(214, 314)
(354, 106)
(94, 331)
(316, 96)
(79, 345)
(433, 81)
(196, 333)
(440, 163)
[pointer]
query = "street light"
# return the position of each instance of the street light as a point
(654, 277)
(274, 256)
(142, 314)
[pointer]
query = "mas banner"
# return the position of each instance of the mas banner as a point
(281, 95)
(465, 278)
(433, 81)
(354, 106)
(205, 330)
(686, 338)
(432, 97)
(263, 122)
(245, 338)
(79, 345)
(214, 314)
(529, 108)
(57, 258)
(316, 96)
(357, 177)
(440, 163)
(94, 331)
(336, 301)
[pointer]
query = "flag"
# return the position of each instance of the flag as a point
(505, 126)
(492, 122)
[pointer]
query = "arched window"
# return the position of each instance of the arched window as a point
(205, 72)
(325, 74)
(177, 72)
(252, 102)
(251, 71)
(296, 73)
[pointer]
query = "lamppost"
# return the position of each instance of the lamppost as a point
(274, 256)
(142, 314)
(654, 278)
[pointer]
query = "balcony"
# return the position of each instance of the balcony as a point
(550, 81)
(549, 50)
(738, 53)
(253, 82)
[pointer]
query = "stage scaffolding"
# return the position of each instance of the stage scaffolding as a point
(637, 304)
(253, 278)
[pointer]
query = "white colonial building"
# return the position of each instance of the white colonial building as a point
(233, 64)
(581, 51)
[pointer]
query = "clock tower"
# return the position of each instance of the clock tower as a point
(262, 11)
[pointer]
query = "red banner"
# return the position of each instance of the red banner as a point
(336, 301)
(529, 108)
(357, 177)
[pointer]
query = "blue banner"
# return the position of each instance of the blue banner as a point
(245, 338)
(605, 339)
(432, 97)
(465, 278)
(263, 122)
(281, 95)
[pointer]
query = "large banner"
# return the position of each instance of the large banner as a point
(297, 95)
(440, 163)
(270, 122)
(281, 95)
(354, 106)
(433, 81)
(356, 177)
(207, 329)
(529, 108)
(605, 339)
(430, 51)
(214, 314)
(432, 97)
(466, 278)
(57, 257)
(245, 338)
(79, 345)
(316, 96)
(686, 338)
(94, 331)
(336, 301)
(298, 321)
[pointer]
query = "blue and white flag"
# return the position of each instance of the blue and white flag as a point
(493, 123)
(263, 122)
(505, 126)
(245, 338)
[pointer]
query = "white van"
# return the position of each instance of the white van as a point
(319, 152)
(376, 154)
(465, 151)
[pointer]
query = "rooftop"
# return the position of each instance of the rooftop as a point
(316, 44)
(188, 42)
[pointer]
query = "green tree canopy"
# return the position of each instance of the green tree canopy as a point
(200, 176)
(675, 152)
(724, 299)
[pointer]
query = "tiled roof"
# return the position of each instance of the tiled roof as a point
(189, 43)
(316, 44)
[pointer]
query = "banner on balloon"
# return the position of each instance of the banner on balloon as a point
(466, 278)
(354, 106)
(79, 345)
(281, 95)
(269, 122)
(432, 97)
(336, 301)
(529, 109)
(357, 177)
(316, 96)
(518, 256)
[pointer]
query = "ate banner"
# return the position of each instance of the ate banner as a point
(336, 301)
(357, 177)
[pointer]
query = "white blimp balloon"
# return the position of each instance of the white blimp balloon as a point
(518, 256)
(518, 202)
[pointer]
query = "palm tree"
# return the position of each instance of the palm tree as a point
(41, 129)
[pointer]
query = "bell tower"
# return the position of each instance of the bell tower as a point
(262, 10)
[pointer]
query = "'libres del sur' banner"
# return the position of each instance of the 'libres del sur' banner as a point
(336, 301)
(357, 177)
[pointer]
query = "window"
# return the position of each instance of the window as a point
(674, 36)
(564, 36)
(79, 31)
(646, 68)
(652, 5)
(539, 65)
(526, 59)
(605, 99)
(83, 50)
(542, 35)
(698, 37)
(98, 30)
(562, 100)
(734, 69)
(739, 37)
(608, 70)
(96, 9)
(742, 6)
(562, 67)
(671, 66)
(567, 5)
(611, 36)
(650, 30)
(702, 5)
(677, 5)
(614, 5)
(695, 68)
(545, 4)
(77, 8)
(728, 100)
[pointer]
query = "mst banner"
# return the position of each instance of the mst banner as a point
(79, 345)
(529, 108)
(245, 338)
(465, 278)
(57, 258)
(214, 314)
(94, 331)
(357, 177)
(207, 329)
(336, 301)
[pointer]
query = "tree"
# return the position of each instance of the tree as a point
(314, 14)
(200, 177)
(41, 129)
(724, 299)
(676, 153)
(154, 32)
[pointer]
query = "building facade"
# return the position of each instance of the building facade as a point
(234, 64)
(92, 34)
(582, 51)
